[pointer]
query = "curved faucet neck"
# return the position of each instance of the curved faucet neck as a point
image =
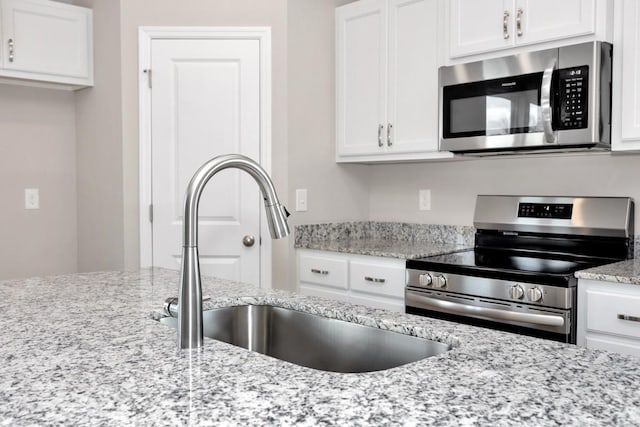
(205, 173)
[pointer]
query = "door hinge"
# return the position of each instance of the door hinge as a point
(150, 213)
(148, 73)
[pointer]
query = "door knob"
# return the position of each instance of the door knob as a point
(248, 241)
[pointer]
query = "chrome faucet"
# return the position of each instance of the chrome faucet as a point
(190, 296)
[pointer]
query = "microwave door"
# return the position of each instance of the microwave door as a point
(495, 114)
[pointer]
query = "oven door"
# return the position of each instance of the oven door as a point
(550, 323)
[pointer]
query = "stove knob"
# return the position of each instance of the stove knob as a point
(535, 294)
(516, 292)
(425, 279)
(439, 281)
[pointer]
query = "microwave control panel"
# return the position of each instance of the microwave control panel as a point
(573, 91)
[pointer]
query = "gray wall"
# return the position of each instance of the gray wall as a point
(335, 192)
(100, 162)
(37, 150)
(454, 185)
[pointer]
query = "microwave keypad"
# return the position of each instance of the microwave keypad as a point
(573, 90)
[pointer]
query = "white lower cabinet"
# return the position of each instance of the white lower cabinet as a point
(372, 281)
(609, 316)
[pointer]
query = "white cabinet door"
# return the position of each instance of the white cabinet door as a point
(361, 60)
(626, 78)
(609, 316)
(542, 20)
(47, 40)
(412, 123)
(477, 26)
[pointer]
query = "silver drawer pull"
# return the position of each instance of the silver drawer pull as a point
(323, 272)
(629, 318)
(374, 279)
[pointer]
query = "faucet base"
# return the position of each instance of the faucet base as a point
(190, 333)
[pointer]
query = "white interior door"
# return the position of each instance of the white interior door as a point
(205, 101)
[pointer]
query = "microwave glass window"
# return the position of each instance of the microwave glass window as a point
(497, 114)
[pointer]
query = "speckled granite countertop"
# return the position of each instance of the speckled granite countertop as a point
(83, 349)
(384, 248)
(621, 272)
(384, 239)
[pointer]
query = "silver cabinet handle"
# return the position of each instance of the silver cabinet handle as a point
(389, 129)
(519, 21)
(505, 24)
(629, 318)
(11, 50)
(545, 102)
(322, 272)
(248, 241)
(380, 129)
(374, 279)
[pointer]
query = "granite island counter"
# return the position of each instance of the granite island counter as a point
(85, 349)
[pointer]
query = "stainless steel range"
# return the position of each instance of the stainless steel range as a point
(520, 275)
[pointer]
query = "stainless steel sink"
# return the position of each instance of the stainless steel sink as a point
(314, 341)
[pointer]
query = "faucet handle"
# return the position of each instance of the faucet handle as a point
(170, 306)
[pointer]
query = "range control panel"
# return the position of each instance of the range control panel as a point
(573, 90)
(545, 210)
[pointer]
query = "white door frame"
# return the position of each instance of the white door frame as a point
(145, 36)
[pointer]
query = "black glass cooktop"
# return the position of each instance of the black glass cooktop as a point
(508, 265)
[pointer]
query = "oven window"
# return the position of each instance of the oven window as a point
(494, 107)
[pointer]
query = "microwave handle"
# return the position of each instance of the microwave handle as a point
(545, 102)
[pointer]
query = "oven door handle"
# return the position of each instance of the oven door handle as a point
(413, 299)
(545, 102)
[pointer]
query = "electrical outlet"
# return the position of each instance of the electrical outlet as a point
(424, 200)
(301, 200)
(31, 198)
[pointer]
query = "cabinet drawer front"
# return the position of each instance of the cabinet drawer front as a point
(611, 344)
(323, 270)
(605, 308)
(377, 279)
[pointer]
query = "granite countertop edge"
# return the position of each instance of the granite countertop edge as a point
(624, 272)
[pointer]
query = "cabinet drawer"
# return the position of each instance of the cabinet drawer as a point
(378, 278)
(604, 309)
(323, 270)
(613, 344)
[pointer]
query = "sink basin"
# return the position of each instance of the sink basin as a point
(313, 341)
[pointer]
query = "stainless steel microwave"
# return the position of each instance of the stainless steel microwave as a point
(550, 99)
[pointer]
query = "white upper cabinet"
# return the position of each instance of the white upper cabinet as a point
(362, 76)
(626, 70)
(46, 41)
(477, 27)
(387, 60)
